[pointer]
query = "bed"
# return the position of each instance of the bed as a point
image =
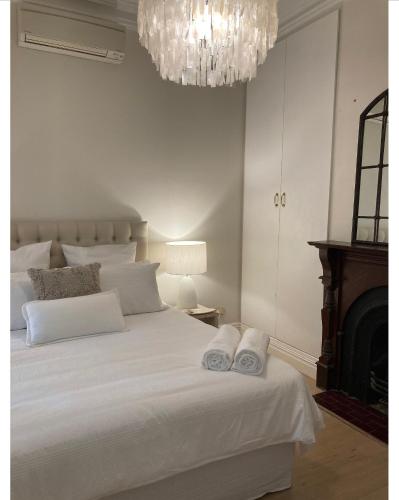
(133, 416)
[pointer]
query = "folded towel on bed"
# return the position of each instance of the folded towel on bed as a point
(219, 354)
(250, 357)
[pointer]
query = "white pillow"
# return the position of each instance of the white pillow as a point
(136, 284)
(61, 319)
(21, 291)
(34, 255)
(103, 254)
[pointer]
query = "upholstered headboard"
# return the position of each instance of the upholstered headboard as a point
(82, 233)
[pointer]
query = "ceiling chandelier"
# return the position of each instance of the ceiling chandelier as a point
(207, 42)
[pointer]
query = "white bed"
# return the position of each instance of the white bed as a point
(133, 416)
(95, 416)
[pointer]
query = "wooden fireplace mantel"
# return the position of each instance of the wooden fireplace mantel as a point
(349, 270)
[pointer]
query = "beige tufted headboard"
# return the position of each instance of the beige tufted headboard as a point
(83, 233)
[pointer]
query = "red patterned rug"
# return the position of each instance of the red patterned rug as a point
(355, 412)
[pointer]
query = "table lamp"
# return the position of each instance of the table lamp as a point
(186, 258)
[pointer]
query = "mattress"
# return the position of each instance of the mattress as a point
(95, 416)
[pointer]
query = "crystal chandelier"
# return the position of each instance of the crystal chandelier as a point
(207, 42)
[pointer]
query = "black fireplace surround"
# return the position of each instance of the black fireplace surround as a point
(364, 367)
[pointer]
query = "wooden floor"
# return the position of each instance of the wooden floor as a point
(345, 464)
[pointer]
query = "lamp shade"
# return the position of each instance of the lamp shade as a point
(186, 257)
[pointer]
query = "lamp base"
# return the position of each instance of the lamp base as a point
(187, 298)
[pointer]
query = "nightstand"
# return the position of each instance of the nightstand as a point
(207, 315)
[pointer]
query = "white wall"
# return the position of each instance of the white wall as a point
(93, 140)
(362, 75)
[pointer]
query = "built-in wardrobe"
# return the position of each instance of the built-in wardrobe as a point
(288, 156)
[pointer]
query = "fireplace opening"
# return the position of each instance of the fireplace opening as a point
(364, 373)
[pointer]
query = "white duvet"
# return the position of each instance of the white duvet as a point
(98, 415)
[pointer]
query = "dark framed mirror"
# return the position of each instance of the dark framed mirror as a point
(370, 210)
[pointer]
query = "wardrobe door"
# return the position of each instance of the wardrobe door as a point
(262, 177)
(307, 149)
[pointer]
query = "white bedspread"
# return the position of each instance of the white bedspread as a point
(98, 415)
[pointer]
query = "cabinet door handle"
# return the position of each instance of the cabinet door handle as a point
(276, 199)
(283, 200)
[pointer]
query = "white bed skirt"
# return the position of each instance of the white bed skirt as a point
(242, 477)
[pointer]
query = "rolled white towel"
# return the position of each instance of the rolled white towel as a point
(219, 354)
(250, 357)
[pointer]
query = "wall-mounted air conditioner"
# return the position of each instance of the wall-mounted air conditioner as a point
(64, 32)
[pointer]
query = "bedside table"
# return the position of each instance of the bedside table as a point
(207, 315)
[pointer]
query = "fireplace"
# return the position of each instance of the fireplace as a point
(354, 326)
(364, 367)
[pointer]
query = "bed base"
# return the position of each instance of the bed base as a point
(243, 477)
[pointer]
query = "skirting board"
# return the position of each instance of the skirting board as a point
(302, 361)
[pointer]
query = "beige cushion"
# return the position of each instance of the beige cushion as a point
(50, 284)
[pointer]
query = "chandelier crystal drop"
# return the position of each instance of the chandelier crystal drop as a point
(207, 42)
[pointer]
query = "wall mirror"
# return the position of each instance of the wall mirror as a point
(370, 211)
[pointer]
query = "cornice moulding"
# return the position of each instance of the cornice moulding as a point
(298, 21)
(125, 12)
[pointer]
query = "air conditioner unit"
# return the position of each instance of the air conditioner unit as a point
(64, 32)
